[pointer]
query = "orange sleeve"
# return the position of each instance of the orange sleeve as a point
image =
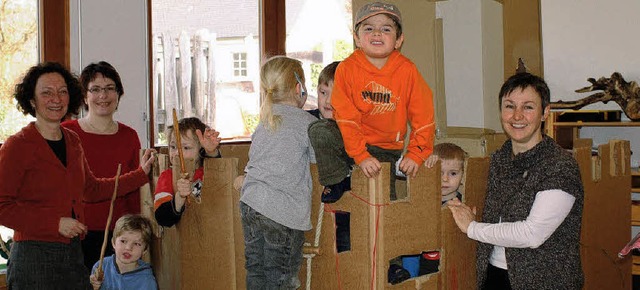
(421, 118)
(348, 116)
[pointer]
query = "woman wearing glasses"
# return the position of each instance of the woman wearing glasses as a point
(106, 144)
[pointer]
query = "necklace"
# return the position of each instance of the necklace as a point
(112, 127)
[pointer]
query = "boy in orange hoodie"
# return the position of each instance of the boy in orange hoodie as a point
(376, 92)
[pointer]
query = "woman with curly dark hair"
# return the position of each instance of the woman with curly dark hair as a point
(46, 181)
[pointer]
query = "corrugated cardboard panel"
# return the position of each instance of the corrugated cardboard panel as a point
(350, 269)
(206, 231)
(200, 251)
(606, 216)
(412, 225)
(236, 150)
(458, 260)
(477, 142)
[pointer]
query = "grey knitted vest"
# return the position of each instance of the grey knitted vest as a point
(512, 186)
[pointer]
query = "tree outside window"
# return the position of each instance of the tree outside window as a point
(18, 52)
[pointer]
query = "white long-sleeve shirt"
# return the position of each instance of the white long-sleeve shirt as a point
(548, 211)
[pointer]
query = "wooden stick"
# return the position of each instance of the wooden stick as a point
(99, 272)
(176, 131)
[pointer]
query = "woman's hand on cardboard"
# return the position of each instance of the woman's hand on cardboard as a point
(462, 214)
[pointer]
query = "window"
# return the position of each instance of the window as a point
(207, 54)
(19, 51)
(316, 40)
(239, 64)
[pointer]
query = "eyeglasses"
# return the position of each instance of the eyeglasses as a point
(98, 90)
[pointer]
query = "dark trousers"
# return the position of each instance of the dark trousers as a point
(92, 245)
(47, 265)
(334, 164)
(273, 252)
(497, 279)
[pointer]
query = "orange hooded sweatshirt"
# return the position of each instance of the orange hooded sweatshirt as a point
(372, 106)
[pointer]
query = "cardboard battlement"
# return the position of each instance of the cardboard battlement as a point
(206, 249)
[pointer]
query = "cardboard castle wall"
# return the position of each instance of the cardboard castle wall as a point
(381, 230)
(206, 249)
(606, 219)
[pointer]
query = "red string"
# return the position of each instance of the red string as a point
(327, 208)
(375, 239)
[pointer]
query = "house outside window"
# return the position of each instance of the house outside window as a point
(206, 58)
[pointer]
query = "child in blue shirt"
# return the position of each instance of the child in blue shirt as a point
(125, 269)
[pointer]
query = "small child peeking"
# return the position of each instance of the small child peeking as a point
(125, 269)
(452, 159)
(198, 142)
(334, 164)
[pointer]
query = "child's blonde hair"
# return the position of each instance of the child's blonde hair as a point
(134, 223)
(449, 151)
(189, 124)
(278, 79)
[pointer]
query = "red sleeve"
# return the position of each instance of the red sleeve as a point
(164, 189)
(34, 217)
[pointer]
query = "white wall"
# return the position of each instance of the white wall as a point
(591, 38)
(115, 31)
(473, 61)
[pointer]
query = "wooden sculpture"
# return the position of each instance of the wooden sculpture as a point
(626, 94)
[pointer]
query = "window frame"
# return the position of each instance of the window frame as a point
(55, 31)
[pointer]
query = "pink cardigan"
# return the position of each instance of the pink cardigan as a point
(36, 190)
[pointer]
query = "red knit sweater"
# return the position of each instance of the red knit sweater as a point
(104, 153)
(36, 190)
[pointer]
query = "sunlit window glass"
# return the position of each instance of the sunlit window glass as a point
(318, 33)
(18, 52)
(206, 63)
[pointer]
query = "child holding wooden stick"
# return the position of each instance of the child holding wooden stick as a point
(198, 142)
(125, 269)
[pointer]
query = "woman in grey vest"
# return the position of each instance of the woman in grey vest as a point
(530, 229)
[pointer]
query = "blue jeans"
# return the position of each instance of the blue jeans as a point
(273, 252)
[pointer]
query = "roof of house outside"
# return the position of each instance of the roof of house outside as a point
(227, 18)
